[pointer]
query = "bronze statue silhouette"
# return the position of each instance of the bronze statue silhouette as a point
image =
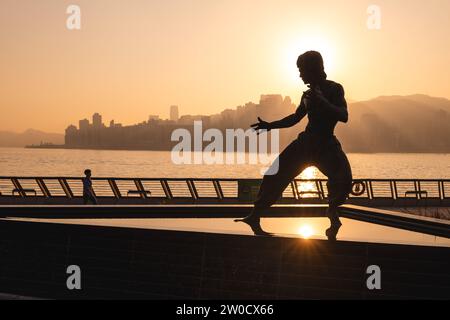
(324, 104)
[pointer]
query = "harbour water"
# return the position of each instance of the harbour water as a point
(152, 164)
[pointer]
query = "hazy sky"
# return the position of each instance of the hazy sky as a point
(137, 57)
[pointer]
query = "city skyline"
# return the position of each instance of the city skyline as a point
(379, 125)
(187, 118)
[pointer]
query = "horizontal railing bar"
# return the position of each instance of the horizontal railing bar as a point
(210, 179)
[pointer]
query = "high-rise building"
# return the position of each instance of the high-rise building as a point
(97, 120)
(83, 125)
(71, 135)
(71, 130)
(174, 113)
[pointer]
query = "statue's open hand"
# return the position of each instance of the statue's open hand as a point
(261, 125)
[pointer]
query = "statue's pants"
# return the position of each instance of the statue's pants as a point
(307, 150)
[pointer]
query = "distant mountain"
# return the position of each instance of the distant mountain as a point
(414, 123)
(28, 137)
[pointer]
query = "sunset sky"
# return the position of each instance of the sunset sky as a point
(135, 58)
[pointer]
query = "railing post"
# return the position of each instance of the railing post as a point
(40, 182)
(18, 187)
(166, 189)
(391, 187)
(192, 189)
(218, 189)
(140, 188)
(114, 188)
(394, 182)
(293, 189)
(317, 183)
(321, 190)
(65, 186)
(417, 189)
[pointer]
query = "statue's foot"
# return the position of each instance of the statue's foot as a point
(254, 223)
(334, 218)
(332, 232)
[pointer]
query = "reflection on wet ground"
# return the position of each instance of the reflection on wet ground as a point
(307, 228)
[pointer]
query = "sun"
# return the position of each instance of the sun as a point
(306, 43)
(306, 231)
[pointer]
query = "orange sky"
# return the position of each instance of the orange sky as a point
(135, 58)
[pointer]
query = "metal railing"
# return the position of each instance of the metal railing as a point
(193, 189)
